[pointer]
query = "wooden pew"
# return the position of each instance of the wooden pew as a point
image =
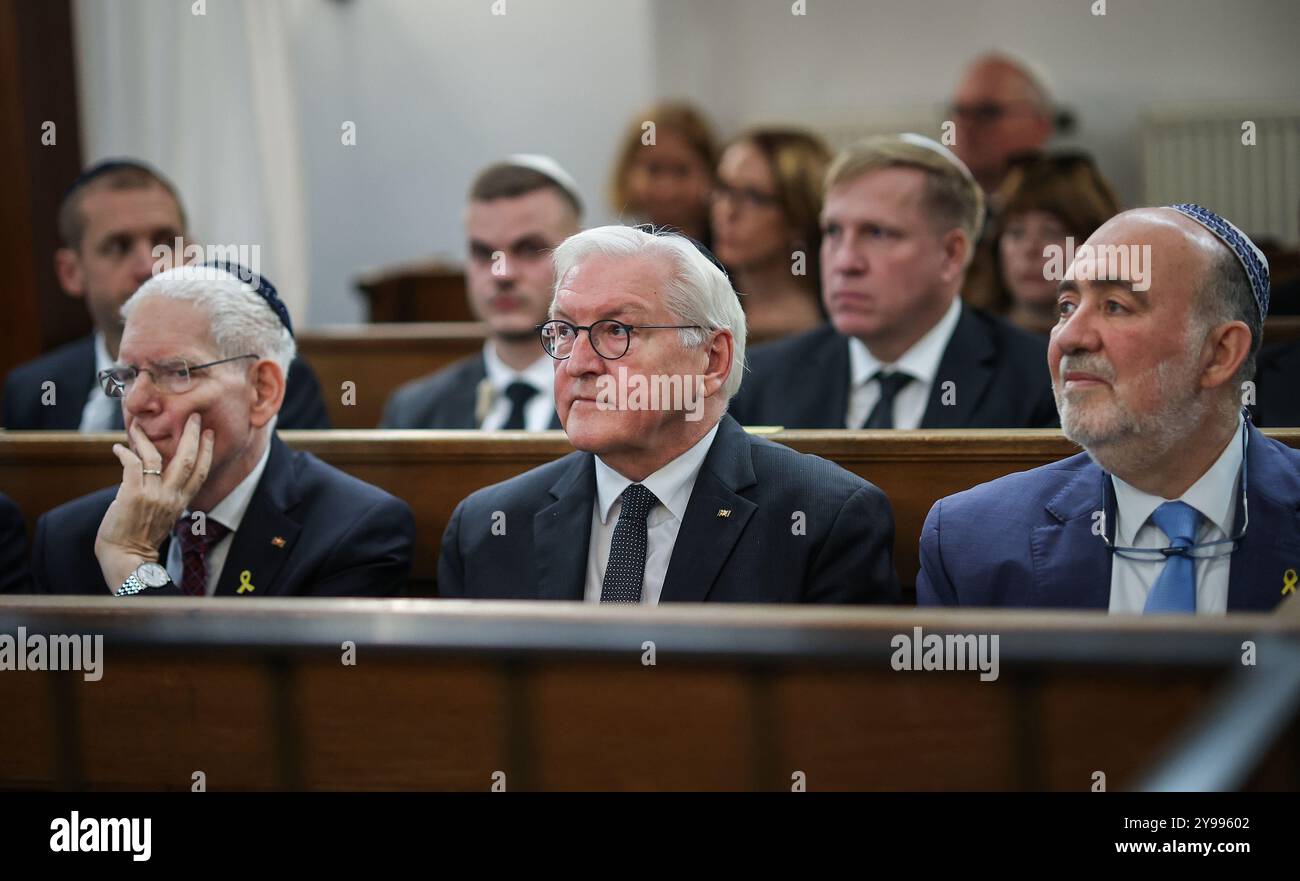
(434, 470)
(378, 358)
(426, 290)
(459, 695)
(1281, 329)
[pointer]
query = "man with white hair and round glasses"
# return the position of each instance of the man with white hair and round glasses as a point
(668, 499)
(211, 502)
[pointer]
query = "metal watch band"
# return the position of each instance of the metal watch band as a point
(132, 585)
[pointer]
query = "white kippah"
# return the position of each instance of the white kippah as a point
(543, 164)
(931, 144)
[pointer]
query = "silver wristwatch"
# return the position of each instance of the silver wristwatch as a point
(145, 576)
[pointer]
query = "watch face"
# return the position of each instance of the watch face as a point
(152, 574)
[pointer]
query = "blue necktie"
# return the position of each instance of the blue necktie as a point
(625, 569)
(1175, 589)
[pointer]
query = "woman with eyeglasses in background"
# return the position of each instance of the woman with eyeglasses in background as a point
(766, 227)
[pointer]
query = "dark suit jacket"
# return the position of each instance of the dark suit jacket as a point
(341, 537)
(750, 556)
(72, 368)
(1027, 540)
(1000, 373)
(446, 399)
(1277, 387)
(14, 575)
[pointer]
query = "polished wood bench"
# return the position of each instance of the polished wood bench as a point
(462, 695)
(434, 470)
(378, 358)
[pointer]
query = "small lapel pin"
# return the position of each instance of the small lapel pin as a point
(278, 541)
(724, 513)
(1288, 582)
(246, 582)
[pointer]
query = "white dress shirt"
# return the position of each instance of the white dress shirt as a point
(540, 409)
(672, 486)
(921, 362)
(98, 412)
(1215, 496)
(229, 512)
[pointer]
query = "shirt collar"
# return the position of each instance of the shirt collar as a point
(671, 484)
(229, 512)
(102, 359)
(540, 374)
(1214, 495)
(921, 361)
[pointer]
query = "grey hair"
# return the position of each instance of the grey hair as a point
(239, 320)
(1224, 294)
(697, 293)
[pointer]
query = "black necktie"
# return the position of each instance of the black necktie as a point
(625, 569)
(519, 393)
(882, 415)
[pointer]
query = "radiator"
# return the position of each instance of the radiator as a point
(1197, 155)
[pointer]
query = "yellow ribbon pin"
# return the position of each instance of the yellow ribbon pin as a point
(1288, 582)
(245, 582)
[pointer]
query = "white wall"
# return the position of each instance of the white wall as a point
(439, 88)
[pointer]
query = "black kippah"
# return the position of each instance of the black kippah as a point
(259, 283)
(699, 246)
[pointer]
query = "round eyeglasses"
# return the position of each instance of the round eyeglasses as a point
(169, 377)
(611, 339)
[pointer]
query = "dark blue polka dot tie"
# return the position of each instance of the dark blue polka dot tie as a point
(625, 570)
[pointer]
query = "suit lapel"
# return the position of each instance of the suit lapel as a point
(562, 533)
(73, 381)
(462, 402)
(1072, 567)
(267, 534)
(827, 370)
(705, 539)
(968, 362)
(1270, 547)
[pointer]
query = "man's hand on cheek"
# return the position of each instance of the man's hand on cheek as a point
(150, 499)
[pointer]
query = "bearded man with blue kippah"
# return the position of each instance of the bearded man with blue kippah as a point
(1178, 504)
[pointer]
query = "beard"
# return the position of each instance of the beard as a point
(1117, 436)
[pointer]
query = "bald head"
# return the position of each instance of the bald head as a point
(1001, 110)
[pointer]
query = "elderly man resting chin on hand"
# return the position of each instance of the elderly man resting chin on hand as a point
(211, 501)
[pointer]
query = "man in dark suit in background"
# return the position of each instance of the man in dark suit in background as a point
(519, 210)
(1153, 517)
(111, 220)
(14, 576)
(902, 351)
(668, 500)
(1277, 381)
(211, 501)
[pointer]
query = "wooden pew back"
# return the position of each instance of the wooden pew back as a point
(433, 471)
(456, 695)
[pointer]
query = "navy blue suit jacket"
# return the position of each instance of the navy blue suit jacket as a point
(1027, 539)
(445, 399)
(341, 537)
(14, 576)
(750, 556)
(71, 368)
(1276, 380)
(1000, 371)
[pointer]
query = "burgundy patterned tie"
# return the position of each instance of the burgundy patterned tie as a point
(194, 553)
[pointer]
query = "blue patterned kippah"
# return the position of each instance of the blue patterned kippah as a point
(258, 283)
(1249, 255)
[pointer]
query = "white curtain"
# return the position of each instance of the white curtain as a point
(209, 99)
